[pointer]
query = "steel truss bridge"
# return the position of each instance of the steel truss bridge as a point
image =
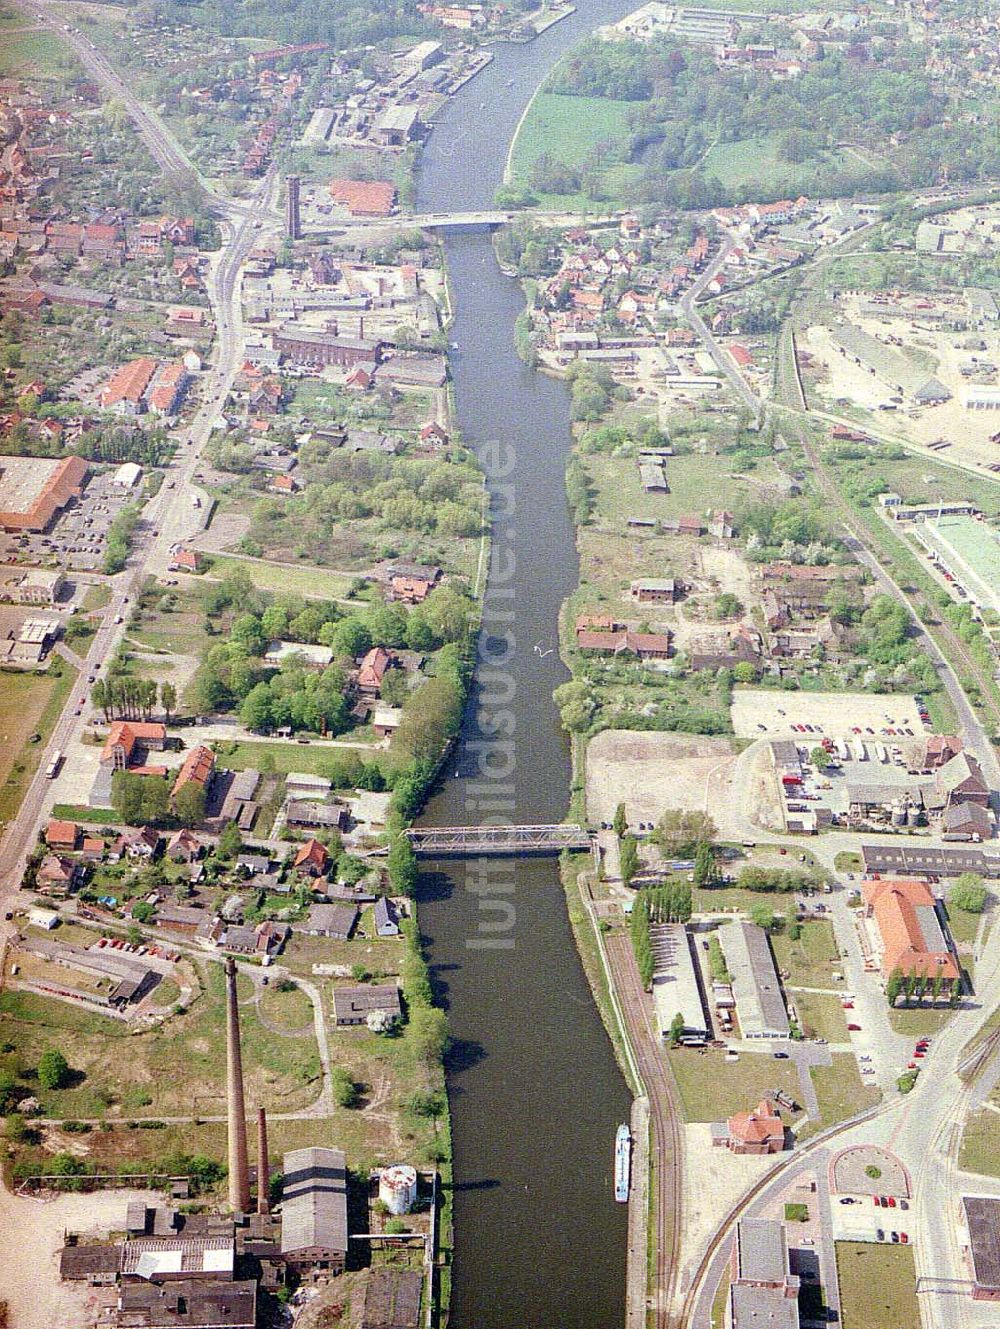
(470, 841)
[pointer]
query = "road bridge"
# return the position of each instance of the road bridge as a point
(471, 841)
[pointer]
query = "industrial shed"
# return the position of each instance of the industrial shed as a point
(314, 1210)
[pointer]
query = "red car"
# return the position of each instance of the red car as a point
(854, 1028)
(892, 1202)
(903, 1239)
(848, 1006)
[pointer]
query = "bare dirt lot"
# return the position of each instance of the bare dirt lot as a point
(836, 713)
(650, 772)
(30, 1285)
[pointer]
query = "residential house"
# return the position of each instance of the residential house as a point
(336, 921)
(56, 875)
(128, 739)
(184, 847)
(352, 1005)
(372, 670)
(312, 859)
(196, 770)
(910, 929)
(62, 835)
(759, 1131)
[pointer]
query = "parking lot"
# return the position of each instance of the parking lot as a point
(837, 714)
(78, 539)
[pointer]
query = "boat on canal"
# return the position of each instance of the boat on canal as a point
(623, 1163)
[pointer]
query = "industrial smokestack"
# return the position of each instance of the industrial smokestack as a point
(263, 1169)
(239, 1170)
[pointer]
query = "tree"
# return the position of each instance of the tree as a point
(8, 1091)
(230, 841)
(345, 1091)
(704, 866)
(628, 855)
(969, 894)
(429, 1032)
(189, 803)
(762, 914)
(53, 1069)
(676, 1029)
(620, 822)
(820, 758)
(168, 699)
(679, 832)
(380, 1022)
(142, 912)
(402, 865)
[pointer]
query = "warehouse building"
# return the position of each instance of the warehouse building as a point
(314, 1210)
(675, 981)
(760, 1007)
(982, 1221)
(763, 1290)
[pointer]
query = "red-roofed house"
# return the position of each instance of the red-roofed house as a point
(364, 198)
(312, 859)
(372, 670)
(196, 769)
(909, 928)
(61, 834)
(125, 736)
(759, 1131)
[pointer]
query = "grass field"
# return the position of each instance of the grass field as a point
(980, 1151)
(36, 54)
(877, 1285)
(820, 1017)
(180, 1065)
(840, 1091)
(567, 128)
(807, 961)
(29, 703)
(712, 1088)
(918, 1021)
(310, 758)
(963, 926)
(314, 583)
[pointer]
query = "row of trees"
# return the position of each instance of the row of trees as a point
(914, 988)
(120, 697)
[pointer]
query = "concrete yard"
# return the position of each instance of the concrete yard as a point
(836, 713)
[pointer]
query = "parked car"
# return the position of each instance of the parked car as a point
(854, 1028)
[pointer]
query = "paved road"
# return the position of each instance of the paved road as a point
(722, 358)
(164, 519)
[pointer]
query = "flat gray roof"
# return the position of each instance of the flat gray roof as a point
(762, 1308)
(314, 1200)
(759, 1003)
(982, 1216)
(761, 1250)
(675, 982)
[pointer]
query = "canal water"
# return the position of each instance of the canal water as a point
(536, 1094)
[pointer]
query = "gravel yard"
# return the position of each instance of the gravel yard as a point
(836, 713)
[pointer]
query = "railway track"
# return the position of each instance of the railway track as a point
(667, 1145)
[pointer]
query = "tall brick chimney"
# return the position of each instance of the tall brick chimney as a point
(263, 1168)
(239, 1170)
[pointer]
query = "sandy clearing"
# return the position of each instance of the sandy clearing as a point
(30, 1284)
(650, 772)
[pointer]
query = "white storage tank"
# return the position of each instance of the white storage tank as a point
(397, 1188)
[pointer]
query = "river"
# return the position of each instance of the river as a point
(535, 1091)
